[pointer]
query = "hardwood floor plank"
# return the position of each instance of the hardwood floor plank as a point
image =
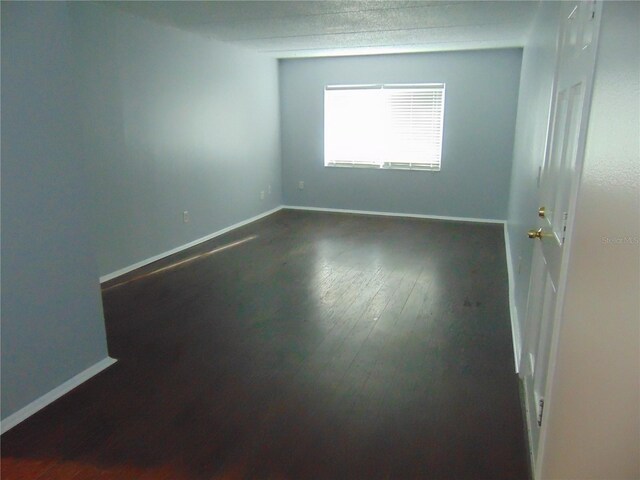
(306, 345)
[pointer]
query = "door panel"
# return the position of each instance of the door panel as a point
(557, 193)
(540, 315)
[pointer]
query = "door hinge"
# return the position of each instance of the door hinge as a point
(540, 410)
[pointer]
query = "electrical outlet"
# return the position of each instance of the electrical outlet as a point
(185, 216)
(262, 195)
(300, 185)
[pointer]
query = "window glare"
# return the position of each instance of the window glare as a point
(384, 127)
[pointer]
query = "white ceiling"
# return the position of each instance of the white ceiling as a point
(285, 29)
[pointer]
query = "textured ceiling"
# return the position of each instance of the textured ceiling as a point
(285, 29)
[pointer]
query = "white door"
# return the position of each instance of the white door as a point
(559, 178)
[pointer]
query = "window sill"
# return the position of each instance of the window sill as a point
(416, 168)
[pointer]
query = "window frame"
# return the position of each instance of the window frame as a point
(385, 100)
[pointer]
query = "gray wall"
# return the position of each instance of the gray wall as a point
(173, 122)
(538, 66)
(52, 324)
(480, 114)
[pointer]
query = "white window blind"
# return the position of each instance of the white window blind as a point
(384, 126)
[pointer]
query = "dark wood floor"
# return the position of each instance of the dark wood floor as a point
(328, 346)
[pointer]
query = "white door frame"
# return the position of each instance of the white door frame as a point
(556, 323)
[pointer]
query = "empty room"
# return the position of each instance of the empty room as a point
(320, 240)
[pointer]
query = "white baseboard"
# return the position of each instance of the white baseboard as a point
(38, 404)
(391, 214)
(147, 261)
(515, 324)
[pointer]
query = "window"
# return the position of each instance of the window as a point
(384, 126)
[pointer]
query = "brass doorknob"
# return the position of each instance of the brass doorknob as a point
(535, 233)
(541, 211)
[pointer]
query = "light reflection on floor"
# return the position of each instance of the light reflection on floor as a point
(388, 310)
(180, 263)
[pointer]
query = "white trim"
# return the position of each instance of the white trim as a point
(513, 309)
(391, 214)
(38, 404)
(147, 261)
